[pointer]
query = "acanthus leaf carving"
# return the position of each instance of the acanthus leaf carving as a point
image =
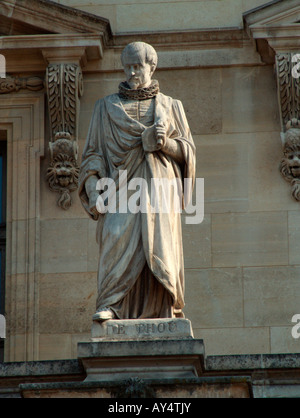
(64, 89)
(289, 106)
(288, 89)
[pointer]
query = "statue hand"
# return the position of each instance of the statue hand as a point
(161, 135)
(153, 138)
(92, 203)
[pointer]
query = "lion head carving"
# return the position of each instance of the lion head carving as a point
(290, 164)
(62, 176)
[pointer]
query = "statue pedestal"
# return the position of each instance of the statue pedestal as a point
(147, 349)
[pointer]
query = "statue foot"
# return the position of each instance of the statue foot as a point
(103, 315)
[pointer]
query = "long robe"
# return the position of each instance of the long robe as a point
(147, 243)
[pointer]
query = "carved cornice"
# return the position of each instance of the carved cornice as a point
(214, 38)
(67, 42)
(12, 84)
(51, 17)
(276, 23)
(275, 27)
(64, 88)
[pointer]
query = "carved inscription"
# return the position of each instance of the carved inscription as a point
(116, 330)
(139, 329)
(142, 329)
(151, 328)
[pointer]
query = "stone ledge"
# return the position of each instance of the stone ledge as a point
(236, 362)
(221, 386)
(252, 362)
(40, 368)
(254, 375)
(146, 359)
(140, 348)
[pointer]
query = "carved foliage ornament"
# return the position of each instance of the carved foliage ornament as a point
(64, 88)
(288, 87)
(12, 84)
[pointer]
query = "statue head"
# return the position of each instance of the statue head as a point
(139, 61)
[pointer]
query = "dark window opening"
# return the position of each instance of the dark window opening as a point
(3, 163)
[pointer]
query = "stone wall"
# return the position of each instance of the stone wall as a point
(242, 286)
(157, 15)
(242, 262)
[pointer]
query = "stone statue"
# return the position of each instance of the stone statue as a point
(290, 163)
(144, 134)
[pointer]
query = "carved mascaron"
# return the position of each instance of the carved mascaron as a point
(290, 164)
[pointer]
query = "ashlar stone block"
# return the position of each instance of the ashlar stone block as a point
(271, 295)
(252, 95)
(197, 89)
(249, 239)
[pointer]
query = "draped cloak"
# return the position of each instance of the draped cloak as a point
(129, 241)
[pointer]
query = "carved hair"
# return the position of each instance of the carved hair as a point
(143, 50)
(295, 189)
(285, 170)
(292, 141)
